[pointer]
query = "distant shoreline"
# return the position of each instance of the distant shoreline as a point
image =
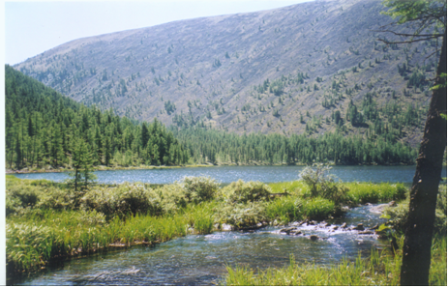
(101, 167)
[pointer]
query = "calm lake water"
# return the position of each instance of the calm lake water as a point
(202, 259)
(227, 174)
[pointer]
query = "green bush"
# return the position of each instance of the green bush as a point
(20, 195)
(200, 189)
(243, 192)
(172, 197)
(57, 199)
(124, 199)
(322, 184)
(241, 214)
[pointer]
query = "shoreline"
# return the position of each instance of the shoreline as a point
(150, 167)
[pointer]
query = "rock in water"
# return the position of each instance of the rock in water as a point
(366, 232)
(344, 225)
(360, 227)
(314, 237)
(288, 230)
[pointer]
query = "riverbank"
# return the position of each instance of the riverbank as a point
(48, 221)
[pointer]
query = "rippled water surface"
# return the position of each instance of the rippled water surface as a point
(202, 259)
(227, 174)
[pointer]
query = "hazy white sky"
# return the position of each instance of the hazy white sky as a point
(34, 27)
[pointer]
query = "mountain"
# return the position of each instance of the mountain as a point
(303, 69)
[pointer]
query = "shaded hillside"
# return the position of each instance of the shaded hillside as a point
(299, 69)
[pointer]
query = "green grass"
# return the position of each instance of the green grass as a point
(360, 193)
(47, 220)
(41, 235)
(285, 209)
(290, 186)
(379, 269)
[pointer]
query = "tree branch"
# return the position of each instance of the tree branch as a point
(405, 42)
(409, 35)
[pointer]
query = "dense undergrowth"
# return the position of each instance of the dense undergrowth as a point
(47, 220)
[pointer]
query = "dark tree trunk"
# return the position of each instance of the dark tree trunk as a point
(420, 223)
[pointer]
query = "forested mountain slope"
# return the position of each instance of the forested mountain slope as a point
(44, 128)
(307, 68)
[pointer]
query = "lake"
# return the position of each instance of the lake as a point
(227, 174)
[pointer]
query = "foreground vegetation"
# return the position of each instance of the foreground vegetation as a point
(380, 269)
(49, 221)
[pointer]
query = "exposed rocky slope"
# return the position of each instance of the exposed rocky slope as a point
(318, 56)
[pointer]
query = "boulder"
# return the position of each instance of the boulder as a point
(360, 227)
(288, 230)
(314, 237)
(366, 232)
(312, 222)
(296, 232)
(344, 225)
(335, 227)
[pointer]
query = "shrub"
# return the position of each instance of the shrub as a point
(172, 196)
(243, 192)
(322, 183)
(241, 215)
(20, 195)
(199, 189)
(123, 199)
(56, 198)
